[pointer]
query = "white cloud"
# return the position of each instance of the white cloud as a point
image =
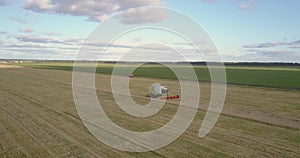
(287, 51)
(4, 2)
(21, 45)
(39, 5)
(246, 4)
(3, 32)
(142, 15)
(37, 39)
(127, 4)
(95, 10)
(242, 4)
(137, 39)
(26, 30)
(52, 34)
(57, 47)
(17, 19)
(290, 44)
(265, 56)
(209, 1)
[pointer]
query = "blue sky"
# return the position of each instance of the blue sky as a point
(242, 30)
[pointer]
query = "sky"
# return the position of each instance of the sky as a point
(241, 30)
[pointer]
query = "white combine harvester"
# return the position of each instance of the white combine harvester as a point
(157, 90)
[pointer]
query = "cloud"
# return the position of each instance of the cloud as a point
(265, 56)
(30, 46)
(296, 42)
(210, 1)
(67, 48)
(273, 44)
(43, 39)
(263, 45)
(287, 51)
(37, 39)
(3, 32)
(39, 5)
(142, 15)
(29, 39)
(26, 30)
(242, 4)
(95, 10)
(4, 2)
(17, 19)
(52, 34)
(127, 4)
(280, 55)
(138, 39)
(20, 45)
(246, 4)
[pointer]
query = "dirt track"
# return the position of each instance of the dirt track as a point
(2, 66)
(38, 119)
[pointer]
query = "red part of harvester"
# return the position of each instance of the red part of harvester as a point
(170, 97)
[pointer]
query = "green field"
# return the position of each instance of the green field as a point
(276, 77)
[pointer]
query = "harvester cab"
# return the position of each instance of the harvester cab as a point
(157, 90)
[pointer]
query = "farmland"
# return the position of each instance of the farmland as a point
(276, 77)
(38, 118)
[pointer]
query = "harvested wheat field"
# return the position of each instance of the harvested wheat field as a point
(38, 118)
(2, 66)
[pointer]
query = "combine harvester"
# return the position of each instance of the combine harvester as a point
(158, 91)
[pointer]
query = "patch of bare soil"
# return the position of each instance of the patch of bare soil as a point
(2, 66)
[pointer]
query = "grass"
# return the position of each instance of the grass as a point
(276, 77)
